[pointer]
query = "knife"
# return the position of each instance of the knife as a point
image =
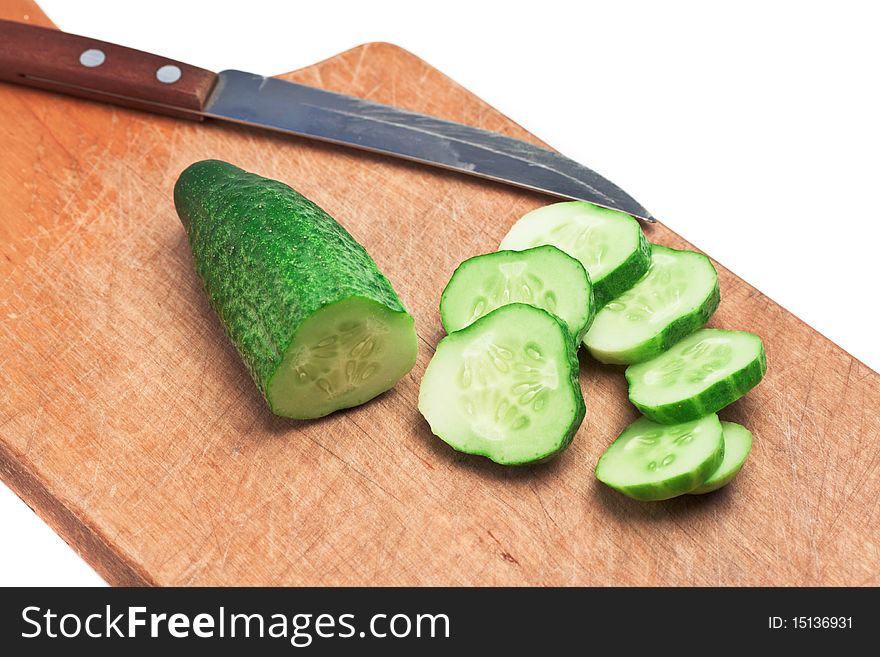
(58, 61)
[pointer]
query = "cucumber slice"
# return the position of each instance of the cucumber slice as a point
(701, 374)
(609, 244)
(675, 298)
(506, 387)
(651, 461)
(737, 445)
(316, 323)
(543, 276)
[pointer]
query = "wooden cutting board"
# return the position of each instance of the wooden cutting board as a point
(128, 423)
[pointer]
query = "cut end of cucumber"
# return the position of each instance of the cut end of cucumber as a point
(609, 244)
(505, 387)
(702, 374)
(543, 276)
(652, 462)
(342, 356)
(676, 297)
(737, 445)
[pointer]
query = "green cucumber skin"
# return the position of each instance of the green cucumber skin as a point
(687, 482)
(713, 399)
(675, 331)
(268, 258)
(680, 328)
(625, 276)
(710, 486)
(592, 297)
(672, 487)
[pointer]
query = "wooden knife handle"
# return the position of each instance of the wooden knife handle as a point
(79, 66)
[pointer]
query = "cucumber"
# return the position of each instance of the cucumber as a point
(609, 244)
(316, 323)
(506, 387)
(737, 445)
(543, 276)
(651, 461)
(700, 375)
(674, 298)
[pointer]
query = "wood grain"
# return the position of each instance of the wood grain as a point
(48, 59)
(129, 424)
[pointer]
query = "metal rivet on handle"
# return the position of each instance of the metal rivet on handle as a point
(92, 58)
(168, 74)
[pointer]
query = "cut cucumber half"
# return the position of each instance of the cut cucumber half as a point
(737, 445)
(675, 298)
(316, 323)
(609, 244)
(506, 387)
(543, 276)
(342, 356)
(701, 374)
(651, 461)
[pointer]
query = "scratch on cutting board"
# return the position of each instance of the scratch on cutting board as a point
(359, 66)
(354, 67)
(507, 556)
(426, 72)
(857, 488)
(716, 543)
(35, 425)
(319, 77)
(73, 196)
(47, 129)
(372, 91)
(242, 520)
(425, 462)
(553, 522)
(791, 437)
(356, 470)
(78, 222)
(36, 239)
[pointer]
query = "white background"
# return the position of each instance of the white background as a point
(751, 130)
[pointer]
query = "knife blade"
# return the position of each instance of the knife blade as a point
(80, 66)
